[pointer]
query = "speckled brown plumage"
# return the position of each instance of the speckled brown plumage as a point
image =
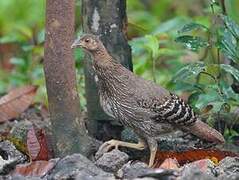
(147, 108)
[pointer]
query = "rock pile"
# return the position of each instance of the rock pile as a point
(116, 165)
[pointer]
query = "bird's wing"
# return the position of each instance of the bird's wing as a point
(164, 106)
(175, 111)
(169, 109)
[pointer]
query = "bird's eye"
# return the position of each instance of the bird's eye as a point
(87, 40)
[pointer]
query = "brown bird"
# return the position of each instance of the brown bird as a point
(148, 109)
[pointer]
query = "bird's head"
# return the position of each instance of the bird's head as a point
(89, 42)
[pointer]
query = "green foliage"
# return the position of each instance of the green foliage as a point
(229, 39)
(212, 77)
(211, 56)
(182, 45)
(19, 19)
(190, 70)
(192, 26)
(151, 55)
(193, 43)
(21, 25)
(230, 69)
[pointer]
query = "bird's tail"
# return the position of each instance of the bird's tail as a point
(204, 131)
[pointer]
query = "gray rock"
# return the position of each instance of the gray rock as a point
(19, 177)
(140, 170)
(147, 178)
(9, 157)
(112, 161)
(161, 174)
(229, 165)
(190, 172)
(229, 177)
(132, 170)
(204, 165)
(98, 177)
(7, 126)
(75, 165)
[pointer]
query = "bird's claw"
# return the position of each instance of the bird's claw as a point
(106, 147)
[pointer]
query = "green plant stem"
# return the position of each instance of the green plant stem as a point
(223, 7)
(218, 51)
(219, 71)
(153, 68)
(212, 8)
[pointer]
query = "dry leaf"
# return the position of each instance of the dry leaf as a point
(36, 168)
(16, 101)
(33, 145)
(46, 151)
(37, 144)
(192, 155)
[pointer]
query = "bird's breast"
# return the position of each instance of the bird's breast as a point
(107, 106)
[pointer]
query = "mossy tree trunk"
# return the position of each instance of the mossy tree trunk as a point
(108, 20)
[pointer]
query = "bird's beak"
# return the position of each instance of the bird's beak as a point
(76, 43)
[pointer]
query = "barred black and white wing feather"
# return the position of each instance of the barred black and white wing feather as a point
(174, 111)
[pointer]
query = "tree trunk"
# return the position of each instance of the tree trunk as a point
(107, 19)
(69, 131)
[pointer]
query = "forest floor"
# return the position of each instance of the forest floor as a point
(26, 153)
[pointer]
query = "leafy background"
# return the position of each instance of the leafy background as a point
(189, 47)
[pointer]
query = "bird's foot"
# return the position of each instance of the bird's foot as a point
(108, 145)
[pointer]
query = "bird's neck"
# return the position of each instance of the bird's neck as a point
(109, 72)
(102, 60)
(105, 68)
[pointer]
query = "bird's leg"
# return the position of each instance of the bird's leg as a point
(153, 146)
(105, 147)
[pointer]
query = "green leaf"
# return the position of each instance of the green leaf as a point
(232, 10)
(229, 133)
(170, 25)
(152, 45)
(137, 45)
(188, 71)
(192, 99)
(230, 69)
(192, 26)
(229, 40)
(208, 76)
(18, 61)
(169, 52)
(229, 94)
(8, 39)
(185, 86)
(231, 25)
(217, 106)
(41, 36)
(228, 45)
(193, 43)
(212, 97)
